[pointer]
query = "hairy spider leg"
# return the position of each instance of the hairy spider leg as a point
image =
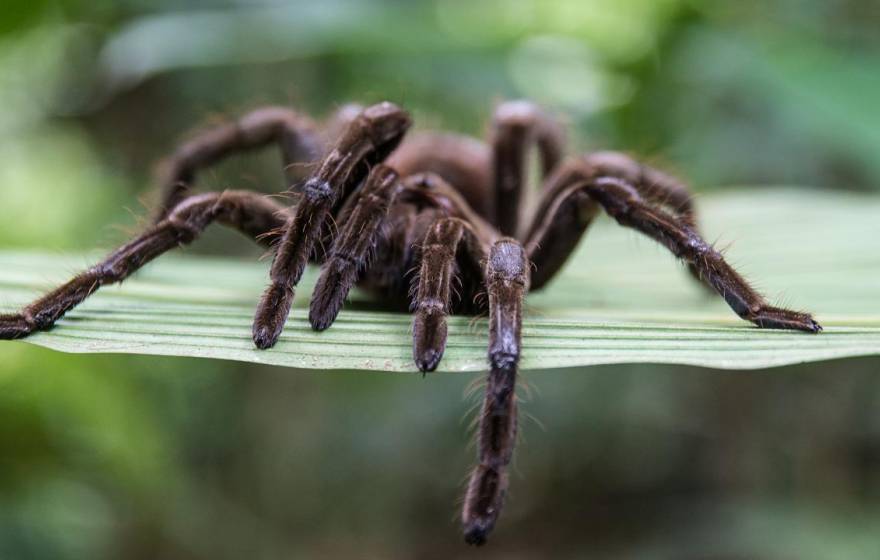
(454, 247)
(447, 238)
(653, 185)
(349, 255)
(462, 239)
(294, 134)
(570, 205)
(507, 281)
(516, 126)
(253, 214)
(368, 140)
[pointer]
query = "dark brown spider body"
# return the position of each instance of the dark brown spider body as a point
(433, 223)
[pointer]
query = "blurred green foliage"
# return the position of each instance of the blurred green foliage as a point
(139, 457)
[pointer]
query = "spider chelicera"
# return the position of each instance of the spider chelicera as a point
(433, 223)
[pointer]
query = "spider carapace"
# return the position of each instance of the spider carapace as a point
(433, 222)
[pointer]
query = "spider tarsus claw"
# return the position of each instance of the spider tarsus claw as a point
(321, 320)
(429, 338)
(264, 339)
(428, 360)
(808, 324)
(476, 533)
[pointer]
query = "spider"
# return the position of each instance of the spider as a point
(433, 223)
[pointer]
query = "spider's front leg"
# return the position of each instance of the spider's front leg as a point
(507, 282)
(571, 203)
(457, 240)
(458, 243)
(447, 239)
(351, 250)
(367, 141)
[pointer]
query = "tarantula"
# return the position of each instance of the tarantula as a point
(433, 223)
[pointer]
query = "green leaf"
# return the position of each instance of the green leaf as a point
(621, 299)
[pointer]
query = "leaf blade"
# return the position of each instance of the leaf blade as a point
(622, 299)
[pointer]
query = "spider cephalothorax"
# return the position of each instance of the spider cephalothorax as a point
(408, 219)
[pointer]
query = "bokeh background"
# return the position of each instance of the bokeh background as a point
(147, 457)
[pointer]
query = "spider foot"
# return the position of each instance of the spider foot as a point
(322, 317)
(476, 534)
(429, 338)
(483, 503)
(778, 318)
(271, 315)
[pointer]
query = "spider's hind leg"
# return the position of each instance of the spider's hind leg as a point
(255, 215)
(654, 186)
(294, 133)
(573, 197)
(516, 127)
